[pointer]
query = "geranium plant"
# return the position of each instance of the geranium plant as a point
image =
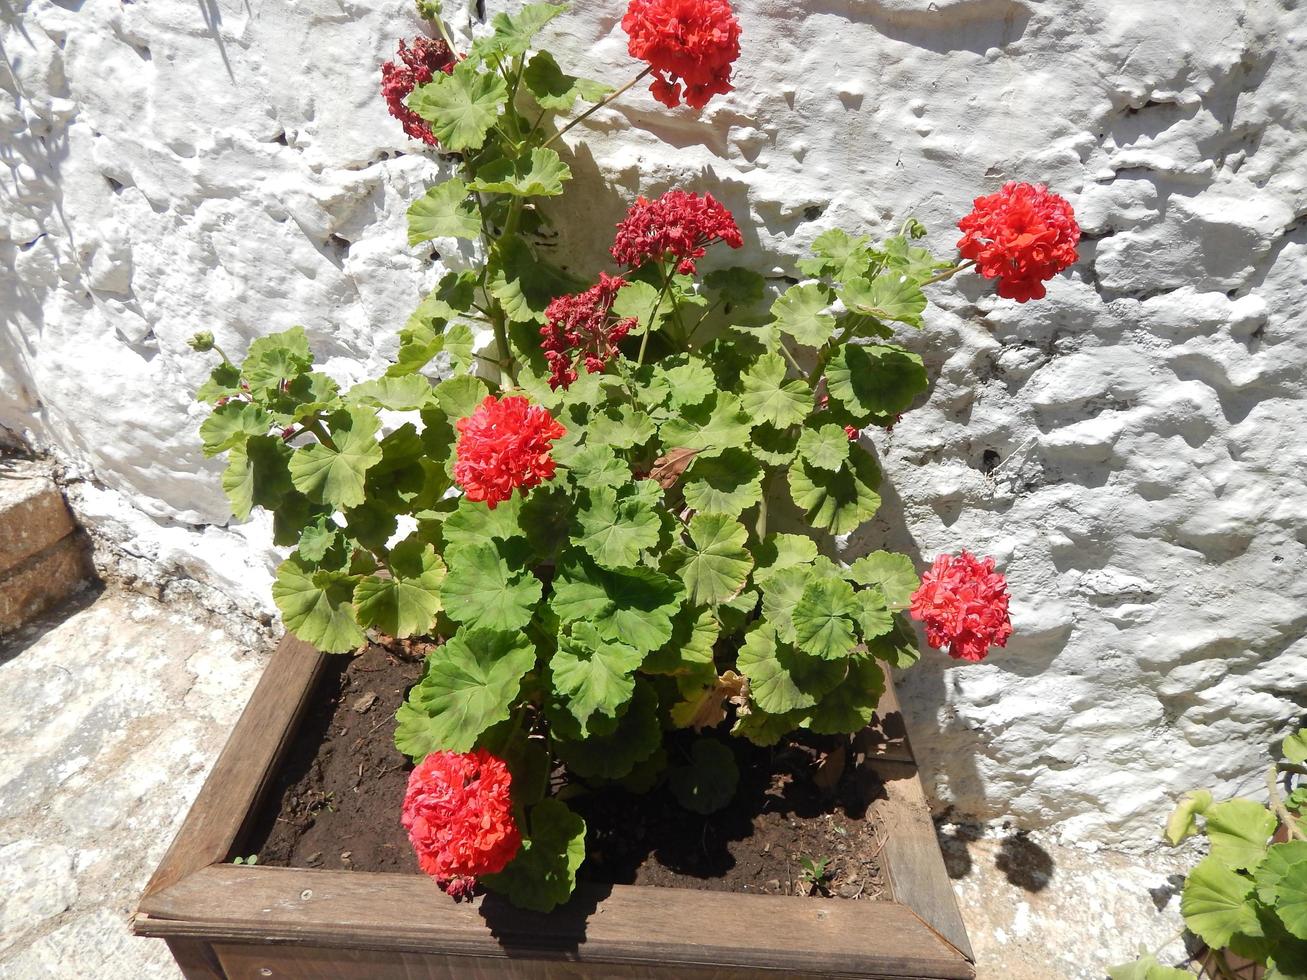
(612, 512)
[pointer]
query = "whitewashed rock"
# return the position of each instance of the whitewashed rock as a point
(231, 167)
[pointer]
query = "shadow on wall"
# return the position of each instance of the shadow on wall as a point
(935, 25)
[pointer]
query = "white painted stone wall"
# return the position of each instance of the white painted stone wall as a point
(1130, 449)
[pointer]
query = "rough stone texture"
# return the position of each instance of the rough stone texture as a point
(33, 514)
(1127, 449)
(109, 722)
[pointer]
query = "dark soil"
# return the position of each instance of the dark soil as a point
(337, 804)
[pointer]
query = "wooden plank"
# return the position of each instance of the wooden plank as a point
(318, 963)
(196, 960)
(917, 875)
(886, 737)
(625, 925)
(230, 795)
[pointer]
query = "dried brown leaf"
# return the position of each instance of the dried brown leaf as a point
(668, 469)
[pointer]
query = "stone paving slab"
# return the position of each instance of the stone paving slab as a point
(109, 722)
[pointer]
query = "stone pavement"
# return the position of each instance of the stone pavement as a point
(110, 718)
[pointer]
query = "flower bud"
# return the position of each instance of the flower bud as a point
(201, 342)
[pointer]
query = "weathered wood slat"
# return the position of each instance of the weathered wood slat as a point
(622, 925)
(229, 796)
(196, 960)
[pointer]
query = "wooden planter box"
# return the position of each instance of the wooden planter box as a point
(233, 922)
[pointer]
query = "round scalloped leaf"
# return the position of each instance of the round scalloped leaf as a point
(1238, 831)
(461, 107)
(482, 592)
(768, 397)
(763, 729)
(597, 466)
(1279, 858)
(837, 502)
(875, 379)
(848, 707)
(1215, 903)
(1291, 899)
(800, 312)
(718, 424)
(628, 605)
(554, 89)
(470, 684)
(406, 603)
(687, 384)
(894, 574)
(887, 297)
(824, 618)
(874, 616)
(898, 647)
(694, 634)
(614, 754)
(775, 447)
(444, 211)
(543, 874)
(257, 475)
(614, 531)
(595, 675)
(316, 605)
(782, 679)
(540, 175)
(1294, 747)
(825, 447)
(781, 551)
(472, 522)
(620, 427)
(726, 485)
(230, 425)
(781, 592)
(715, 565)
(709, 782)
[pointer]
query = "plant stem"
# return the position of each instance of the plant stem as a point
(644, 341)
(1277, 805)
(599, 105)
(791, 358)
(762, 508)
(948, 274)
(1293, 767)
(825, 354)
(318, 429)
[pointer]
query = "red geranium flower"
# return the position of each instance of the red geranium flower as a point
(502, 446)
(679, 224)
(963, 603)
(419, 65)
(459, 817)
(690, 41)
(583, 327)
(1021, 236)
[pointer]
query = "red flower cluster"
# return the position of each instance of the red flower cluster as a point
(963, 603)
(419, 65)
(678, 224)
(459, 817)
(690, 41)
(1022, 236)
(502, 446)
(582, 327)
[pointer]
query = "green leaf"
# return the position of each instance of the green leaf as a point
(1279, 858)
(474, 523)
(775, 447)
(406, 603)
(898, 647)
(718, 424)
(541, 175)
(1215, 903)
(276, 358)
(893, 573)
(781, 678)
(630, 605)
(764, 729)
(523, 283)
(873, 379)
(837, 254)
(837, 502)
(887, 297)
(848, 707)
(1238, 831)
(826, 447)
(316, 606)
(224, 382)
(513, 33)
(460, 397)
(257, 475)
(781, 591)
(595, 675)
(611, 755)
(687, 384)
(709, 782)
(768, 397)
(726, 485)
(481, 591)
(553, 89)
(799, 313)
(1147, 968)
(736, 286)
(444, 211)
(915, 263)
(621, 427)
(543, 874)
(874, 616)
(470, 684)
(823, 619)
(1181, 825)
(1291, 899)
(317, 539)
(1294, 747)
(399, 394)
(716, 565)
(695, 632)
(336, 475)
(641, 300)
(231, 425)
(596, 465)
(781, 551)
(461, 107)
(614, 531)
